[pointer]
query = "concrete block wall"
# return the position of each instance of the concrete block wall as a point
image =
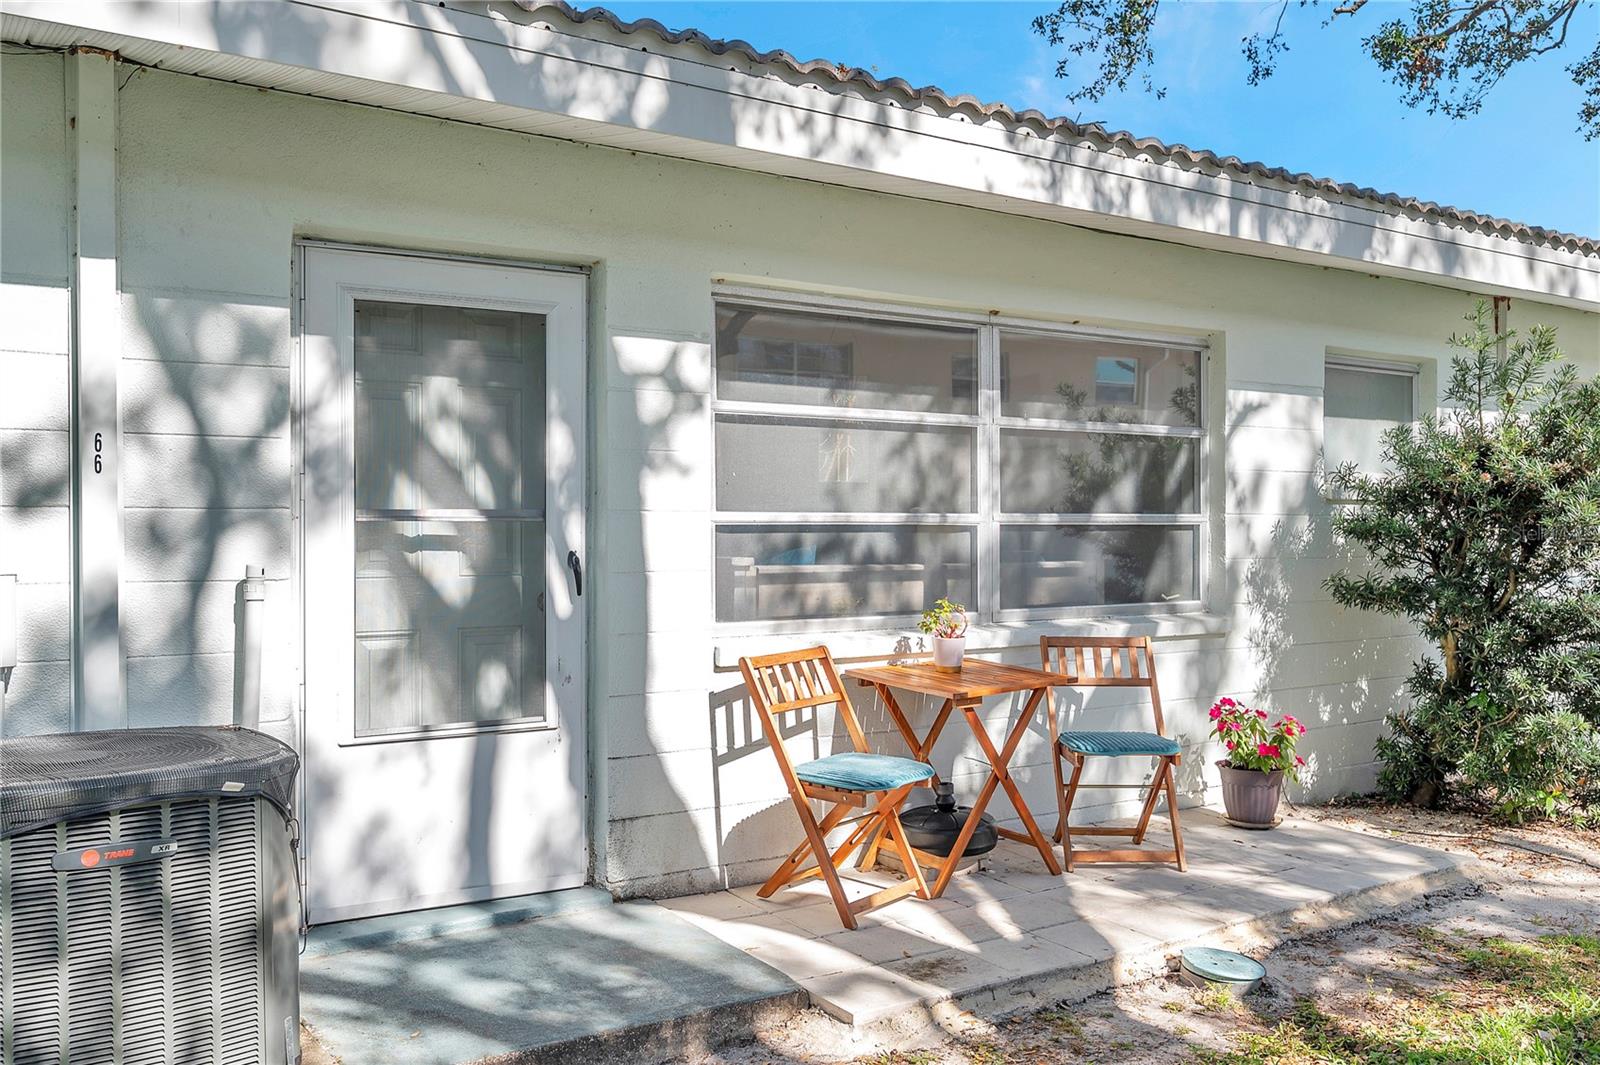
(218, 181)
(35, 401)
(206, 480)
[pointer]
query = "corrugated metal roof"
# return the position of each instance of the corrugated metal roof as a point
(898, 92)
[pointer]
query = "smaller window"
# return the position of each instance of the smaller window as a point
(1360, 402)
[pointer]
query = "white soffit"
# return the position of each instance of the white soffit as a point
(501, 66)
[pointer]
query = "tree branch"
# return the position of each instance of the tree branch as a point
(1566, 24)
(1473, 14)
(1444, 55)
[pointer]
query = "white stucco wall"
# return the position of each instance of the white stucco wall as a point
(217, 181)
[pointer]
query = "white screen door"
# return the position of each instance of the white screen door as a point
(442, 425)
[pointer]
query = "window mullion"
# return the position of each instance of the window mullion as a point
(987, 578)
(1054, 425)
(1041, 517)
(864, 415)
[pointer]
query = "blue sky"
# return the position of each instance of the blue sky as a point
(1327, 110)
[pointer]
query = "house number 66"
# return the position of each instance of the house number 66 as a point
(99, 447)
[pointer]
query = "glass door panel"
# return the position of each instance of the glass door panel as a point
(450, 522)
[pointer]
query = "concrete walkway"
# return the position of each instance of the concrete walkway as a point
(1011, 935)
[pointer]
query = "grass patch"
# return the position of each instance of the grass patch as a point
(1214, 998)
(1505, 1003)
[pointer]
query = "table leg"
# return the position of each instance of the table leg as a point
(959, 848)
(999, 767)
(920, 749)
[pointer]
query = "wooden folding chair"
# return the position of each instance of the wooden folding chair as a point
(800, 680)
(1111, 662)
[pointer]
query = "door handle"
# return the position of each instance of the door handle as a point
(576, 566)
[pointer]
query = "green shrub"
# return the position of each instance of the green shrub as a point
(1541, 764)
(1485, 532)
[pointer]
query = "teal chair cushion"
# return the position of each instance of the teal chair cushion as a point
(853, 771)
(1118, 744)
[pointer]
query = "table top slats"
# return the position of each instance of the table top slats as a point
(977, 679)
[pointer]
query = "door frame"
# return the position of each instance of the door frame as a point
(577, 511)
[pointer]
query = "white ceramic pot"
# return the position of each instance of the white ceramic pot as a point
(948, 652)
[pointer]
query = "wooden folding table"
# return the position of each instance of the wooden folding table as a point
(966, 691)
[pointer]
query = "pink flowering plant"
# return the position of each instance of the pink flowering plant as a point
(1254, 744)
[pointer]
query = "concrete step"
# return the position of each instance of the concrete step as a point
(570, 983)
(394, 928)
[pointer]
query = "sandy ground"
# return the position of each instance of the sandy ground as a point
(1531, 881)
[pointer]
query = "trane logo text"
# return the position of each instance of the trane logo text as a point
(113, 853)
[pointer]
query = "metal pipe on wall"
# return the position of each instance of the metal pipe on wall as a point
(8, 635)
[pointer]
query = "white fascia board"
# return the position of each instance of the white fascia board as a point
(503, 67)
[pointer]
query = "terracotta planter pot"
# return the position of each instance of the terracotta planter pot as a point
(948, 651)
(1250, 796)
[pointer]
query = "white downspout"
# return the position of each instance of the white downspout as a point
(99, 660)
(248, 608)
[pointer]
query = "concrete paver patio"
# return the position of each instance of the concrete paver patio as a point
(1011, 933)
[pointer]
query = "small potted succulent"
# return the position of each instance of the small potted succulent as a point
(1259, 757)
(946, 622)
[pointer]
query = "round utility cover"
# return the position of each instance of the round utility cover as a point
(1223, 967)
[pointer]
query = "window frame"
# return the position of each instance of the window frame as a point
(1363, 364)
(987, 423)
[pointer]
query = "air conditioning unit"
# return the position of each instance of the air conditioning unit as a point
(149, 902)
